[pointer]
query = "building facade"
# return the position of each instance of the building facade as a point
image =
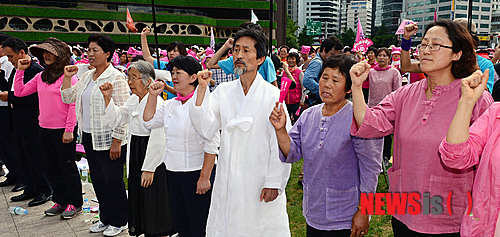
(423, 13)
(74, 20)
(325, 11)
(362, 10)
(387, 13)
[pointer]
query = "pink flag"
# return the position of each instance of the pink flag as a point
(359, 33)
(130, 22)
(401, 28)
(285, 85)
(435, 14)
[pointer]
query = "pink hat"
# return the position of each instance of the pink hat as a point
(305, 49)
(131, 50)
(209, 51)
(163, 52)
(396, 50)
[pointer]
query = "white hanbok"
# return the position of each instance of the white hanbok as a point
(248, 160)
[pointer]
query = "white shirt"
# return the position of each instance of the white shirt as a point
(7, 67)
(102, 134)
(185, 149)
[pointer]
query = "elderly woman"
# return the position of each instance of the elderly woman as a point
(105, 147)
(321, 136)
(476, 147)
(189, 159)
(57, 121)
(148, 205)
(419, 115)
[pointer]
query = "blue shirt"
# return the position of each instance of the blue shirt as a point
(311, 76)
(163, 66)
(267, 69)
(487, 64)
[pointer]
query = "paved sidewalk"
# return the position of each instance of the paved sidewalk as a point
(35, 223)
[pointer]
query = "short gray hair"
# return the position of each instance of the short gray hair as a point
(146, 70)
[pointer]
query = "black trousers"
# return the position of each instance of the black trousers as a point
(7, 151)
(312, 232)
(62, 171)
(107, 180)
(387, 146)
(401, 230)
(190, 210)
(32, 163)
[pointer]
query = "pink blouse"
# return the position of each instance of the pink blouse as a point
(481, 150)
(419, 125)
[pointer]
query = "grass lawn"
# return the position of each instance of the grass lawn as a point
(379, 225)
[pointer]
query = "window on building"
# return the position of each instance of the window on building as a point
(484, 26)
(429, 10)
(475, 17)
(475, 8)
(417, 12)
(418, 19)
(485, 17)
(440, 1)
(419, 34)
(486, 1)
(429, 18)
(444, 16)
(408, 13)
(416, 4)
(444, 8)
(428, 2)
(461, 16)
(485, 9)
(461, 7)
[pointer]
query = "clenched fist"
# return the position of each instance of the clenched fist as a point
(410, 30)
(70, 70)
(359, 72)
(106, 89)
(204, 78)
(156, 88)
(23, 63)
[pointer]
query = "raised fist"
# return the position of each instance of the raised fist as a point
(204, 78)
(156, 88)
(70, 70)
(23, 63)
(106, 89)
(359, 72)
(410, 30)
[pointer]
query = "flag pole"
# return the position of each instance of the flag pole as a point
(156, 34)
(271, 8)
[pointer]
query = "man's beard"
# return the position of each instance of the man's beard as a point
(237, 70)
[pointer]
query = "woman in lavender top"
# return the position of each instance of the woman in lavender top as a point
(337, 166)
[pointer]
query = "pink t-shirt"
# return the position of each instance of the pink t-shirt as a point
(419, 125)
(383, 83)
(53, 112)
(481, 150)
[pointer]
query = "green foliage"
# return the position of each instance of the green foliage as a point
(383, 38)
(347, 37)
(291, 33)
(203, 3)
(305, 39)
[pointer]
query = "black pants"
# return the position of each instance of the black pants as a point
(387, 147)
(401, 230)
(32, 163)
(7, 151)
(312, 232)
(107, 179)
(62, 171)
(190, 210)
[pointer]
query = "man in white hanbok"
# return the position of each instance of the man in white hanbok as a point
(248, 196)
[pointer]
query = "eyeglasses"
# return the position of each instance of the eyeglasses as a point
(432, 47)
(132, 78)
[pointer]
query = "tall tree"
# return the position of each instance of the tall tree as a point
(305, 39)
(383, 38)
(347, 37)
(291, 33)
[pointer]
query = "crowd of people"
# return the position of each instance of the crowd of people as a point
(208, 145)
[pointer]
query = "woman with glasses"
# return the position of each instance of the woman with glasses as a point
(149, 205)
(418, 115)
